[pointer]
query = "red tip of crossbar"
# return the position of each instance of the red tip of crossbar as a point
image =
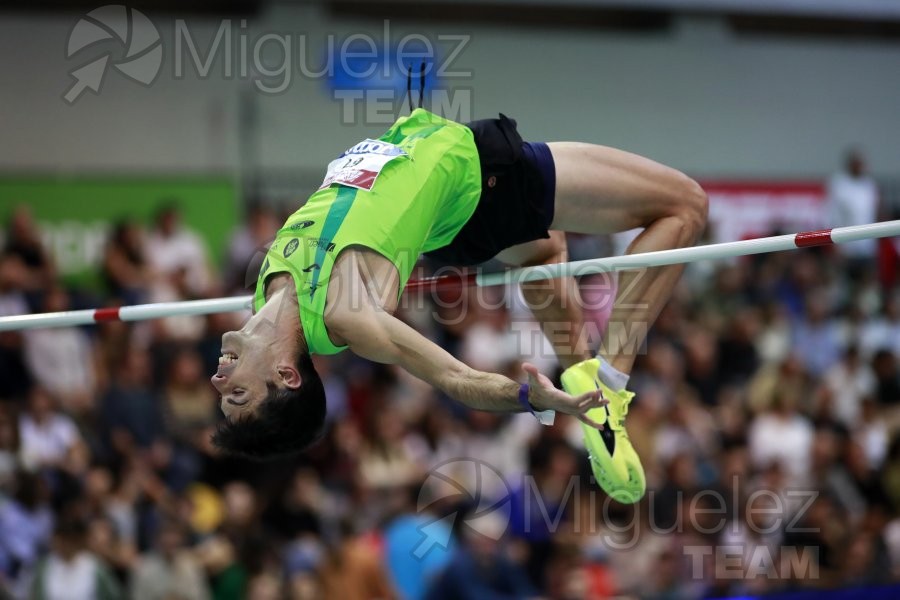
(821, 237)
(106, 314)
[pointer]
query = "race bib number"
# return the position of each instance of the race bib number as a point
(359, 166)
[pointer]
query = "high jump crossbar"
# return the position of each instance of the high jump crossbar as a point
(806, 239)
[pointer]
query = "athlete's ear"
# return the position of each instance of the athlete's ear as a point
(289, 376)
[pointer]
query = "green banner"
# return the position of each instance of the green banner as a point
(76, 215)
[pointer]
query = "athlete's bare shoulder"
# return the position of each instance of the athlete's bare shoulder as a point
(361, 280)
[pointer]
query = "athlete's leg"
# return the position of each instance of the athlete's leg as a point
(554, 302)
(604, 190)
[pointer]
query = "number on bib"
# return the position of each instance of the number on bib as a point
(360, 165)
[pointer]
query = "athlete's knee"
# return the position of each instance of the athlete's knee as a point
(691, 206)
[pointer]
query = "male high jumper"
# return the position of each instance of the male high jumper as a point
(462, 194)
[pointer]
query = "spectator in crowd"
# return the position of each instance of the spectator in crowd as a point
(887, 386)
(681, 480)
(71, 571)
(479, 568)
(189, 410)
(15, 379)
(125, 268)
(883, 332)
(666, 583)
(787, 377)
(26, 523)
(131, 412)
(13, 280)
(169, 571)
(414, 556)
(179, 258)
(861, 566)
(490, 343)
(847, 385)
(890, 479)
(177, 252)
(784, 435)
(49, 438)
(355, 570)
(10, 447)
(738, 358)
(537, 503)
(227, 576)
(115, 501)
(853, 200)
(816, 537)
(247, 246)
(104, 541)
(386, 461)
(241, 511)
(871, 432)
(23, 241)
(63, 359)
(855, 484)
(304, 508)
(817, 341)
(190, 402)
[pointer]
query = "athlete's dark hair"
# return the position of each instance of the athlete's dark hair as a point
(286, 422)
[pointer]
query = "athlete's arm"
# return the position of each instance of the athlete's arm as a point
(381, 337)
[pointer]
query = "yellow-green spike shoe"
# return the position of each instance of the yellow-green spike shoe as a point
(616, 465)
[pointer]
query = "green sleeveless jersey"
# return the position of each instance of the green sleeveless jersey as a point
(426, 185)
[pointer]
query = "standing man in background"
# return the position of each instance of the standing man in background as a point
(853, 200)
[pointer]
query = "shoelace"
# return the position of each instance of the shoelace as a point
(619, 423)
(625, 404)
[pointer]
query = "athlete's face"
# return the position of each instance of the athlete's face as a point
(245, 364)
(263, 350)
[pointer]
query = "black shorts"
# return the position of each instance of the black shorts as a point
(518, 186)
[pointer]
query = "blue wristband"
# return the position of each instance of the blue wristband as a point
(544, 417)
(523, 398)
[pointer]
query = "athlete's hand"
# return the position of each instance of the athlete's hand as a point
(544, 396)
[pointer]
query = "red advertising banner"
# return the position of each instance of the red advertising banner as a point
(742, 210)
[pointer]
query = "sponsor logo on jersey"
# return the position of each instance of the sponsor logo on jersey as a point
(291, 246)
(321, 243)
(374, 147)
(303, 224)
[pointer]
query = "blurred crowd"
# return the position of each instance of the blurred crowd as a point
(767, 412)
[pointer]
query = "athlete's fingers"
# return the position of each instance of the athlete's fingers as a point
(592, 399)
(590, 422)
(588, 406)
(531, 370)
